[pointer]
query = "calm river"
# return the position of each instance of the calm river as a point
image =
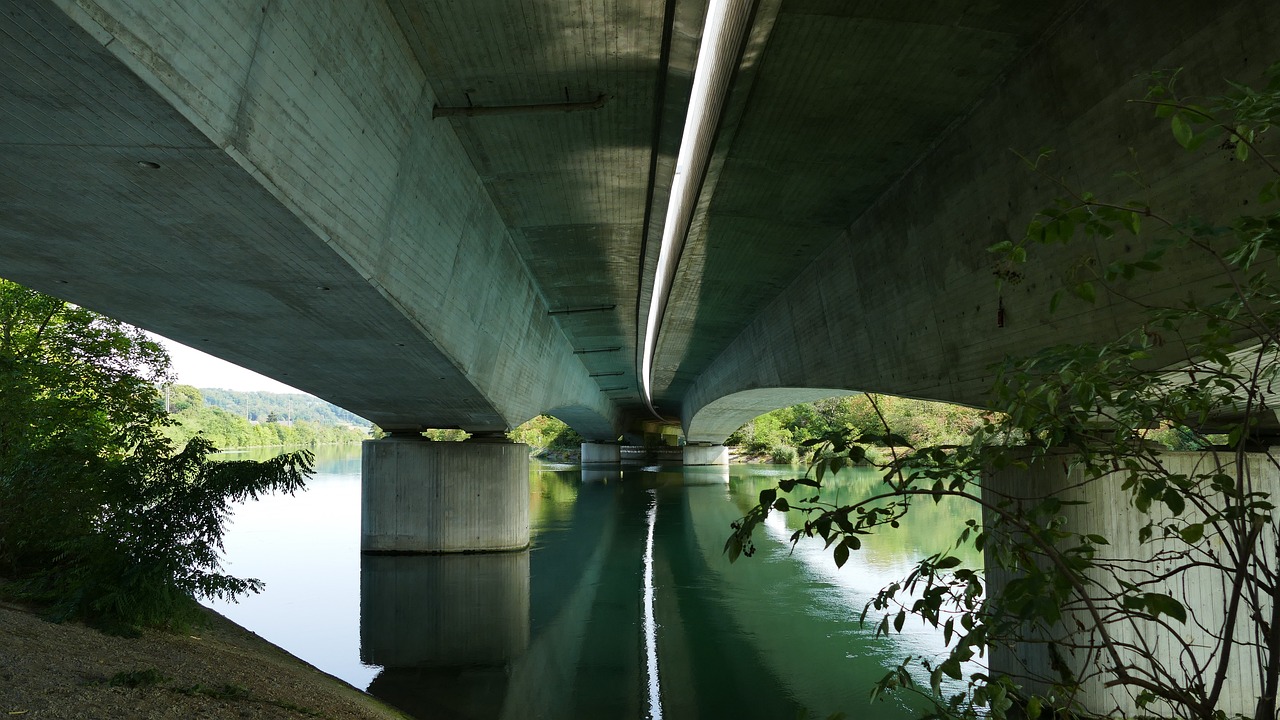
(625, 607)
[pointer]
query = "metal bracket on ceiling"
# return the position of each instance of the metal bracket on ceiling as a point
(481, 110)
(576, 310)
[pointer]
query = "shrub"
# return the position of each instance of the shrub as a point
(783, 454)
(101, 516)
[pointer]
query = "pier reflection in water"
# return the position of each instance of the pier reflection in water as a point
(437, 624)
(626, 607)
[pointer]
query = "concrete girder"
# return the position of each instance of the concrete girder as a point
(588, 423)
(905, 301)
(308, 218)
(832, 103)
(715, 421)
(305, 192)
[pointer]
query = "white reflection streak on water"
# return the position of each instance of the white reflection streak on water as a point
(650, 623)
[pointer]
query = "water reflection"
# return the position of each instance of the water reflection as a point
(656, 475)
(426, 611)
(306, 548)
(559, 631)
(887, 556)
(444, 628)
(601, 475)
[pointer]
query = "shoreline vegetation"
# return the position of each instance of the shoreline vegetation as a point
(234, 420)
(779, 436)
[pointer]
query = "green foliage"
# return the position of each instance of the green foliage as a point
(782, 454)
(1106, 612)
(776, 434)
(259, 406)
(545, 434)
(147, 677)
(446, 434)
(101, 517)
(765, 433)
(191, 415)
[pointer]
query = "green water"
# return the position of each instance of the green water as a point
(596, 620)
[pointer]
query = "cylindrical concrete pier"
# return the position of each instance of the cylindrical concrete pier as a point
(595, 453)
(1104, 507)
(706, 455)
(419, 496)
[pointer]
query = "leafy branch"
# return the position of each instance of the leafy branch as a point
(1079, 614)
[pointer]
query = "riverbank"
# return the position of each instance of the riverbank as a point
(215, 670)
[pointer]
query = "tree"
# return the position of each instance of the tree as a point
(545, 434)
(777, 433)
(182, 398)
(1103, 621)
(101, 517)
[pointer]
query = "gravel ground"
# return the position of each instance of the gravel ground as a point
(219, 670)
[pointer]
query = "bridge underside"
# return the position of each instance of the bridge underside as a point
(389, 204)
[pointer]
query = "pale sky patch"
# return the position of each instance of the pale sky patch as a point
(192, 367)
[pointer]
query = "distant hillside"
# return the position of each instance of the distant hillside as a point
(258, 419)
(289, 407)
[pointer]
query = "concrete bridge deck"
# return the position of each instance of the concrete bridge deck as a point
(448, 213)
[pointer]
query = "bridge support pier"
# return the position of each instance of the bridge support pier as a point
(419, 496)
(596, 453)
(706, 454)
(1107, 510)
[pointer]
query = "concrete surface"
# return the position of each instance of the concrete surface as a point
(601, 453)
(419, 496)
(311, 219)
(1107, 511)
(902, 297)
(706, 455)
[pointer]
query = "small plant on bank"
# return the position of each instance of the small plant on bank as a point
(147, 677)
(101, 517)
(783, 454)
(1077, 621)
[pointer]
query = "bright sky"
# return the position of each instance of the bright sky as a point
(202, 370)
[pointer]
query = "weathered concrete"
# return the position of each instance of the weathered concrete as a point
(717, 420)
(652, 454)
(307, 219)
(1108, 512)
(904, 300)
(706, 455)
(444, 611)
(601, 453)
(311, 219)
(820, 125)
(419, 496)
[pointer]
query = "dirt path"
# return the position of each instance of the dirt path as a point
(217, 671)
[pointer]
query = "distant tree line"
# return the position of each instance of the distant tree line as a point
(276, 407)
(779, 435)
(548, 437)
(269, 420)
